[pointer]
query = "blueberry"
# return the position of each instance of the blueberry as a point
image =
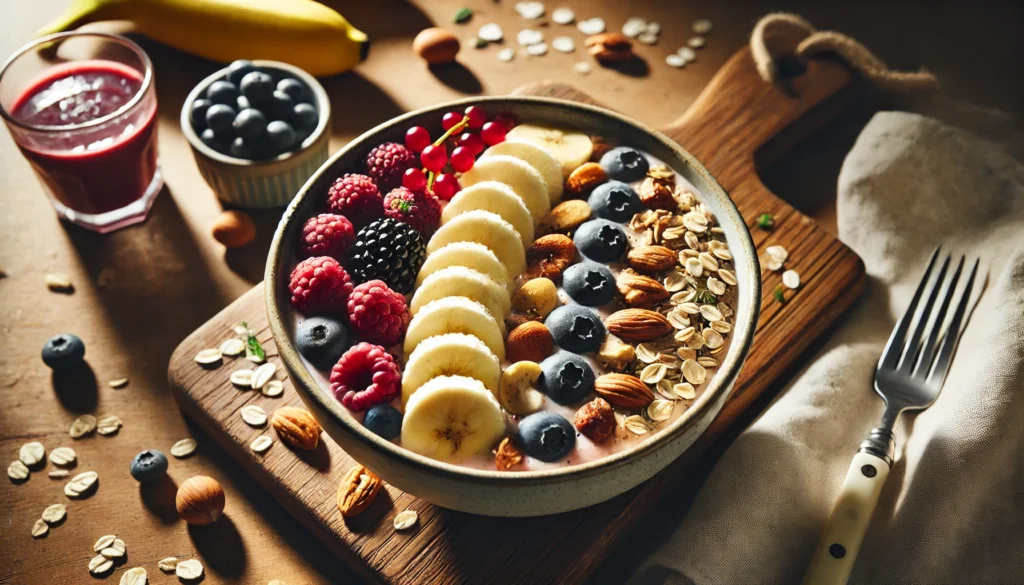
(322, 340)
(239, 69)
(281, 136)
(616, 201)
(305, 117)
(222, 92)
(624, 164)
(63, 351)
(219, 118)
(576, 328)
(280, 107)
(547, 436)
(250, 124)
(293, 87)
(566, 378)
(384, 420)
(197, 115)
(209, 138)
(148, 466)
(589, 283)
(243, 103)
(600, 240)
(241, 149)
(257, 86)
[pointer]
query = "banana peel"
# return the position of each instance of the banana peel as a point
(304, 33)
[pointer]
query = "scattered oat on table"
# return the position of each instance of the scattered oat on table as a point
(583, 68)
(592, 26)
(775, 257)
(491, 32)
(82, 426)
(168, 564)
(696, 42)
(208, 357)
(634, 27)
(100, 564)
(530, 10)
(537, 50)
(189, 570)
(58, 473)
(108, 425)
(529, 36)
(241, 378)
(232, 347)
(17, 470)
(262, 375)
(116, 550)
(791, 278)
(55, 513)
(688, 54)
(405, 519)
(183, 448)
(31, 453)
(59, 282)
(134, 576)
(702, 26)
(648, 38)
(261, 443)
(563, 16)
(506, 54)
(80, 485)
(273, 388)
(118, 383)
(103, 542)
(40, 529)
(674, 60)
(254, 416)
(563, 44)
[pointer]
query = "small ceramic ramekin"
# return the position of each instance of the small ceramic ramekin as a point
(261, 184)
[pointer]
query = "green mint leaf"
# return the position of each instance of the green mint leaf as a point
(252, 345)
(462, 15)
(779, 295)
(479, 43)
(765, 221)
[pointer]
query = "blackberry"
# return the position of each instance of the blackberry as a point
(388, 250)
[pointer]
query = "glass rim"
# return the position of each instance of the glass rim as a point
(147, 81)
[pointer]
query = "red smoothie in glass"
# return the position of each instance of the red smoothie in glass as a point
(110, 166)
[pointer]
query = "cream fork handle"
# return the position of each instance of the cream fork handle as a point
(844, 531)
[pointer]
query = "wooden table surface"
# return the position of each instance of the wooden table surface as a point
(139, 291)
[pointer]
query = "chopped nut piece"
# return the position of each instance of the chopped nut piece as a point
(596, 420)
(507, 455)
(357, 491)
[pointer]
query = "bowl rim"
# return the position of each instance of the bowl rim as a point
(722, 382)
(323, 103)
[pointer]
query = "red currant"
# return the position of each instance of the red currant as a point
(472, 141)
(506, 119)
(417, 138)
(434, 157)
(492, 133)
(476, 116)
(450, 120)
(446, 186)
(414, 179)
(462, 159)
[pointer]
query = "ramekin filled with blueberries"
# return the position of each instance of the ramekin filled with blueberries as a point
(258, 130)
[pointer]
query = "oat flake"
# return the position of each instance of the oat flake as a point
(537, 50)
(405, 519)
(702, 26)
(674, 60)
(118, 383)
(40, 529)
(563, 44)
(116, 550)
(58, 473)
(583, 68)
(241, 378)
(183, 448)
(31, 453)
(563, 16)
(59, 282)
(80, 484)
(530, 10)
(648, 38)
(591, 26)
(634, 27)
(665, 389)
(54, 513)
(82, 426)
(261, 443)
(660, 410)
(189, 570)
(636, 425)
(262, 375)
(529, 36)
(791, 278)
(696, 42)
(254, 416)
(100, 564)
(232, 347)
(273, 388)
(506, 54)
(490, 32)
(208, 357)
(694, 372)
(108, 425)
(685, 391)
(653, 373)
(168, 564)
(134, 576)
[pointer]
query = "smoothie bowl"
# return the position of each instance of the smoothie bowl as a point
(513, 306)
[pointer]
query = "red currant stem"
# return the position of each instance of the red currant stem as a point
(430, 180)
(456, 128)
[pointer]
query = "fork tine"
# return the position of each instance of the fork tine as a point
(930, 346)
(913, 345)
(894, 348)
(941, 368)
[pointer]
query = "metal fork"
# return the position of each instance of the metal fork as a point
(909, 376)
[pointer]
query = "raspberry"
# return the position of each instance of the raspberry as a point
(364, 376)
(357, 198)
(327, 235)
(387, 162)
(420, 209)
(320, 286)
(377, 313)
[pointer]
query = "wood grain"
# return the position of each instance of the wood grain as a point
(736, 115)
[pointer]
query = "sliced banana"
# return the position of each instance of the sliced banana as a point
(451, 418)
(484, 227)
(569, 147)
(450, 354)
(539, 158)
(517, 391)
(459, 281)
(455, 315)
(497, 198)
(469, 254)
(527, 183)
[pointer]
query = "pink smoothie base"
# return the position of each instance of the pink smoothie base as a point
(93, 170)
(585, 450)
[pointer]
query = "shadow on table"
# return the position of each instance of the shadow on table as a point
(76, 388)
(458, 77)
(158, 497)
(220, 544)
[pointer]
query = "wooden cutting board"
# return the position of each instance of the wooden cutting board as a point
(737, 115)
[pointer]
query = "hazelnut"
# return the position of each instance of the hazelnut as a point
(549, 256)
(436, 46)
(200, 500)
(234, 229)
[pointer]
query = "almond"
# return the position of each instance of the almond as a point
(357, 491)
(610, 47)
(531, 342)
(596, 420)
(651, 258)
(657, 194)
(637, 324)
(297, 427)
(640, 290)
(549, 256)
(583, 180)
(623, 390)
(565, 217)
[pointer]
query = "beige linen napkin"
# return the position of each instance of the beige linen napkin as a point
(952, 510)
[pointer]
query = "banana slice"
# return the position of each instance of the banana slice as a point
(469, 254)
(451, 354)
(523, 178)
(484, 227)
(539, 158)
(451, 418)
(459, 281)
(497, 198)
(569, 147)
(517, 390)
(455, 315)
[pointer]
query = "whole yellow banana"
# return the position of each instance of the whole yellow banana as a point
(304, 33)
